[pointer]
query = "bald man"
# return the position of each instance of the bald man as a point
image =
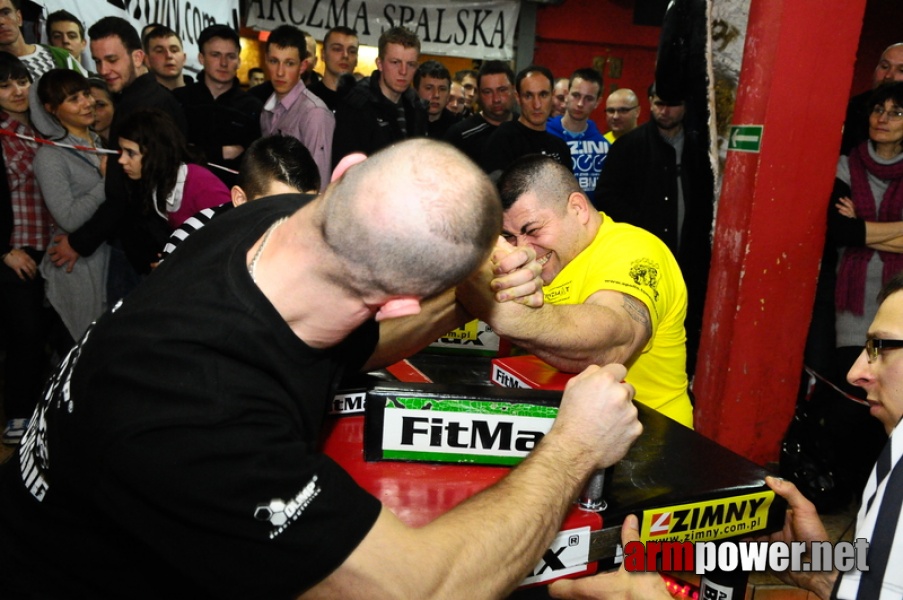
(622, 109)
(192, 412)
(856, 125)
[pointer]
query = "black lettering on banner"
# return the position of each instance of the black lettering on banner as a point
(527, 440)
(462, 26)
(680, 524)
(408, 429)
(735, 511)
(550, 561)
(754, 505)
(712, 515)
(438, 39)
(310, 16)
(487, 439)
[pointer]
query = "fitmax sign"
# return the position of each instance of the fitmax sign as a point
(469, 29)
(461, 430)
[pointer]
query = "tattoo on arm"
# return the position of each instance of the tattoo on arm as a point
(637, 311)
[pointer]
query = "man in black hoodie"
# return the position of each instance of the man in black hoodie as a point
(383, 108)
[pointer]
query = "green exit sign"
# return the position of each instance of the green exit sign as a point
(745, 138)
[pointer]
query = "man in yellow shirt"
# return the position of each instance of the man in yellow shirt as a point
(613, 292)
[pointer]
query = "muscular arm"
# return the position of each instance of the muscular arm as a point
(485, 545)
(400, 338)
(608, 327)
(511, 275)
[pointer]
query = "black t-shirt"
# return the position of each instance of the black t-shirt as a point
(438, 128)
(230, 119)
(177, 453)
(513, 139)
(329, 97)
(470, 135)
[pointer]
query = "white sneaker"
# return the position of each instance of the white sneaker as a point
(15, 429)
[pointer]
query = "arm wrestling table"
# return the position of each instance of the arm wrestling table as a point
(681, 485)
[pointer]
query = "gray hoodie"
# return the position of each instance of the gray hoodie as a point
(73, 188)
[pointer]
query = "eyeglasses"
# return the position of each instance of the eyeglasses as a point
(621, 110)
(892, 115)
(873, 347)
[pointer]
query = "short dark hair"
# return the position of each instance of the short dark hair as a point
(341, 30)
(12, 68)
(119, 27)
(58, 16)
(288, 36)
(887, 91)
(460, 75)
(587, 74)
(546, 177)
(494, 67)
(431, 68)
(254, 70)
(160, 31)
(56, 85)
(523, 73)
(277, 158)
(218, 31)
(397, 35)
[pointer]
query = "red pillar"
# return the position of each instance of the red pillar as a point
(797, 66)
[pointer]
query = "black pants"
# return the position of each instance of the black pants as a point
(23, 319)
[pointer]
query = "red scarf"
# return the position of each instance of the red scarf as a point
(850, 291)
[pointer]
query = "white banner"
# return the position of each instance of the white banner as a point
(448, 28)
(186, 17)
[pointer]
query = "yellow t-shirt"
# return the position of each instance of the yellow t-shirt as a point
(633, 261)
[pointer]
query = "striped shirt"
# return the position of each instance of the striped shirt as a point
(878, 522)
(190, 225)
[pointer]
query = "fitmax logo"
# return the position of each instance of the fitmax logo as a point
(437, 432)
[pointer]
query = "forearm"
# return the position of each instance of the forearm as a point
(569, 337)
(877, 232)
(497, 536)
(892, 245)
(481, 549)
(400, 338)
(486, 545)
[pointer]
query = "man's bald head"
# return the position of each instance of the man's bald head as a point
(890, 65)
(413, 219)
(622, 109)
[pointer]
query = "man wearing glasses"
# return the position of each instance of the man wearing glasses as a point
(622, 109)
(878, 371)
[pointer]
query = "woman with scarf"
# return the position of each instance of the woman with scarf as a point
(865, 226)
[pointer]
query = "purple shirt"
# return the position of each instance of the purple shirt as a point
(302, 115)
